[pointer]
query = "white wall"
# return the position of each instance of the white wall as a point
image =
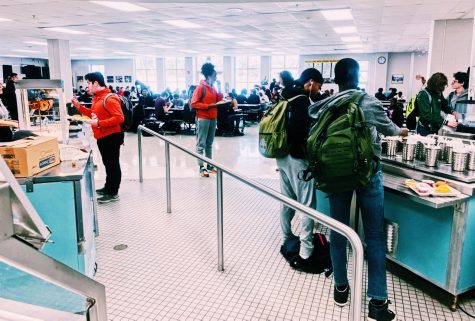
(400, 64)
(17, 62)
(376, 72)
(450, 47)
(113, 67)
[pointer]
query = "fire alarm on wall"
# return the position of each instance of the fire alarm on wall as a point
(381, 60)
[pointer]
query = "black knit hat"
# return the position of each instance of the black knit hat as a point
(310, 73)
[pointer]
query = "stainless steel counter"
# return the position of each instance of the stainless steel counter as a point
(441, 170)
(395, 183)
(65, 171)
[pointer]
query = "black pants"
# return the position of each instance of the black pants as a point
(109, 147)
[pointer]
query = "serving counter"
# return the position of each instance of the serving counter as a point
(63, 196)
(433, 237)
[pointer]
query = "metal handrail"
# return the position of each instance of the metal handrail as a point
(355, 242)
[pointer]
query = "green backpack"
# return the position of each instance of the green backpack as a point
(273, 141)
(339, 147)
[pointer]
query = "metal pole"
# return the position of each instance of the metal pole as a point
(219, 186)
(167, 164)
(139, 136)
(357, 279)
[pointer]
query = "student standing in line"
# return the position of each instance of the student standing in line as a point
(299, 94)
(105, 121)
(204, 101)
(370, 198)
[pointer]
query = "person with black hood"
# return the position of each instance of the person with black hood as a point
(299, 96)
(9, 96)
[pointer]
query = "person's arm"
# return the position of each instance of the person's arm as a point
(378, 117)
(115, 112)
(83, 110)
(445, 105)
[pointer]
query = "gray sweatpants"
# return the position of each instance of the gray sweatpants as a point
(205, 129)
(301, 191)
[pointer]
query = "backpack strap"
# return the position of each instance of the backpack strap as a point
(105, 99)
(295, 97)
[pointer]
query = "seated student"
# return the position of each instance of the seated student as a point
(242, 99)
(177, 101)
(253, 98)
(162, 107)
(228, 121)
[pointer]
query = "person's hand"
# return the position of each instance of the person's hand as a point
(234, 104)
(452, 124)
(75, 102)
(94, 121)
(212, 106)
(404, 132)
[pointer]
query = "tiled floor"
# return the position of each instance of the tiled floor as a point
(169, 269)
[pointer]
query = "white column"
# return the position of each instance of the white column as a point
(471, 88)
(161, 79)
(189, 72)
(60, 64)
(266, 68)
(229, 79)
(450, 47)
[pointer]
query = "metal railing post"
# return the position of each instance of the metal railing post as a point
(139, 137)
(355, 242)
(219, 189)
(168, 182)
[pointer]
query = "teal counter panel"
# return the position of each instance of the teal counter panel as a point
(467, 266)
(55, 203)
(424, 236)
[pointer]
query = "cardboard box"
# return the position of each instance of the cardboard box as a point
(31, 155)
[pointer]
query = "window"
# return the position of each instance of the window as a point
(175, 73)
(146, 71)
(289, 63)
(100, 68)
(363, 81)
(248, 72)
(215, 60)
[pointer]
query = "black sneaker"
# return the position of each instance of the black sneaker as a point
(380, 312)
(101, 191)
(305, 265)
(106, 198)
(341, 296)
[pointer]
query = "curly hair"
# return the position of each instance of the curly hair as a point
(207, 69)
(462, 78)
(437, 82)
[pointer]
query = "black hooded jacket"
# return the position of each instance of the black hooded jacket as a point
(298, 124)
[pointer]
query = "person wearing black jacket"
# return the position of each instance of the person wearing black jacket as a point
(9, 96)
(301, 94)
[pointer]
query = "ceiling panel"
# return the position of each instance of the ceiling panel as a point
(298, 27)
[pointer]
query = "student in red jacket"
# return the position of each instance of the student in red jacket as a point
(204, 101)
(105, 123)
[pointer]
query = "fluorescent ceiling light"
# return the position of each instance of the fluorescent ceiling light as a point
(278, 53)
(26, 51)
(39, 43)
(354, 46)
(87, 49)
(351, 39)
(264, 49)
(188, 51)
(121, 40)
(122, 53)
(66, 30)
(349, 29)
(5, 20)
(161, 46)
(221, 35)
(182, 24)
(121, 6)
(338, 14)
(247, 43)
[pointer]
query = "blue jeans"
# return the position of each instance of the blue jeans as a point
(371, 201)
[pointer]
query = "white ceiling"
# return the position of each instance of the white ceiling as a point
(276, 27)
